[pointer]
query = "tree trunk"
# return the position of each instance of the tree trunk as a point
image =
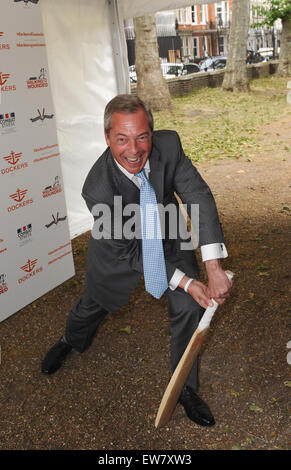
(284, 69)
(151, 85)
(235, 77)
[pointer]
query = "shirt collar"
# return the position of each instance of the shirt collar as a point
(131, 176)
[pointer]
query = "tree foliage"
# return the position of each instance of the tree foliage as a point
(271, 11)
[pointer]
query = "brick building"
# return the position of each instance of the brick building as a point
(204, 30)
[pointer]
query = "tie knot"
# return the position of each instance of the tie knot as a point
(141, 174)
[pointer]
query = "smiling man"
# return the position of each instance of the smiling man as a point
(146, 168)
(130, 139)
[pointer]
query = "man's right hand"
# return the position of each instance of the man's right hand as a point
(198, 291)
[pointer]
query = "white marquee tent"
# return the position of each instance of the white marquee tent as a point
(88, 66)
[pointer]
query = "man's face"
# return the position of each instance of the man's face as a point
(130, 139)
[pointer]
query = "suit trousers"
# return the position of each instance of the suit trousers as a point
(184, 314)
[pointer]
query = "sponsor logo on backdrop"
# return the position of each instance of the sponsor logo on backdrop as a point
(24, 234)
(3, 284)
(59, 253)
(29, 268)
(15, 164)
(3, 45)
(19, 198)
(53, 189)
(7, 122)
(40, 81)
(41, 116)
(47, 149)
(26, 2)
(30, 39)
(56, 220)
(5, 82)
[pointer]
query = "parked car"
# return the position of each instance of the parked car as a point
(254, 57)
(171, 70)
(213, 63)
(190, 68)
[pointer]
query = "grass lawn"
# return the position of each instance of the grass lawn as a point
(217, 124)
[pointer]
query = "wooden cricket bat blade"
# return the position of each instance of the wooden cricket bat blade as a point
(179, 377)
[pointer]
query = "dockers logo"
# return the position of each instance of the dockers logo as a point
(19, 197)
(3, 45)
(24, 234)
(7, 121)
(3, 284)
(42, 116)
(55, 220)
(4, 77)
(53, 189)
(13, 160)
(29, 268)
(38, 82)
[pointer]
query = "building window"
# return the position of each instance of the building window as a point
(186, 48)
(221, 45)
(194, 14)
(222, 13)
(204, 46)
(196, 52)
(202, 14)
(182, 16)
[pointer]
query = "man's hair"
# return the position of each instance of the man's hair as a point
(125, 104)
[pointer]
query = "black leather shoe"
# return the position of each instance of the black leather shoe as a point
(55, 357)
(196, 409)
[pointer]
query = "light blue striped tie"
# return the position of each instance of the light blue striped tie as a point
(154, 267)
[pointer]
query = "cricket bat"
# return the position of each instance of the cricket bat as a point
(179, 377)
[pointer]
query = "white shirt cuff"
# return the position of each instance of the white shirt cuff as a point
(213, 251)
(176, 278)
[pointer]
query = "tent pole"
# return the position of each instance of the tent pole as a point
(119, 49)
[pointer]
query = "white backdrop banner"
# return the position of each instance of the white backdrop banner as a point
(35, 247)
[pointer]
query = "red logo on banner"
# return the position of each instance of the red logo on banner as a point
(3, 46)
(19, 195)
(38, 81)
(53, 189)
(13, 159)
(29, 266)
(3, 78)
(29, 269)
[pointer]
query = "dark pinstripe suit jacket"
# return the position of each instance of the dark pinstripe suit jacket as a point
(114, 267)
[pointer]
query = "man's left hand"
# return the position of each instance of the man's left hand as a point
(219, 285)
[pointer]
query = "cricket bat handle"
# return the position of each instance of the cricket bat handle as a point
(209, 312)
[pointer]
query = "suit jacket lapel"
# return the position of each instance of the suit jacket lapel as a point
(126, 188)
(156, 175)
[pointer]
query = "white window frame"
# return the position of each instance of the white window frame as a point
(204, 42)
(197, 46)
(194, 14)
(186, 47)
(202, 14)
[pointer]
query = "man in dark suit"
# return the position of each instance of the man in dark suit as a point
(116, 260)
